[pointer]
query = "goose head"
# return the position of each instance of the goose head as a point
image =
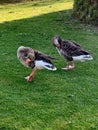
(24, 53)
(56, 41)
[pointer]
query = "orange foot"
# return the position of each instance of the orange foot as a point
(68, 67)
(29, 78)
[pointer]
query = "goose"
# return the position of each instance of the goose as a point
(34, 59)
(71, 51)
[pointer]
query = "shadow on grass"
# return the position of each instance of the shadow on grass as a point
(38, 28)
(55, 100)
(37, 32)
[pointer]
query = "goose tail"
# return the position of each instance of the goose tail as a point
(82, 58)
(50, 67)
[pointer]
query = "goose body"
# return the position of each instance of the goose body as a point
(71, 51)
(75, 57)
(35, 60)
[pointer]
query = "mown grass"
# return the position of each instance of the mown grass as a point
(60, 100)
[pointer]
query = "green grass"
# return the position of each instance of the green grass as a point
(60, 100)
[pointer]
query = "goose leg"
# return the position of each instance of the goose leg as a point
(31, 76)
(72, 66)
(69, 66)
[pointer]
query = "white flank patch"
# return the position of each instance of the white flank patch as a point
(82, 58)
(56, 42)
(41, 65)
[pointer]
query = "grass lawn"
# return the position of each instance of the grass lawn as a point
(60, 100)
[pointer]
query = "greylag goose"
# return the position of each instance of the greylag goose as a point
(71, 51)
(35, 60)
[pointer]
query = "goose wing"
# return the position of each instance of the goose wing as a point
(41, 56)
(73, 49)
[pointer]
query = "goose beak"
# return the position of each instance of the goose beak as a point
(58, 46)
(27, 61)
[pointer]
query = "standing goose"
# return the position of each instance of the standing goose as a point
(71, 51)
(35, 60)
